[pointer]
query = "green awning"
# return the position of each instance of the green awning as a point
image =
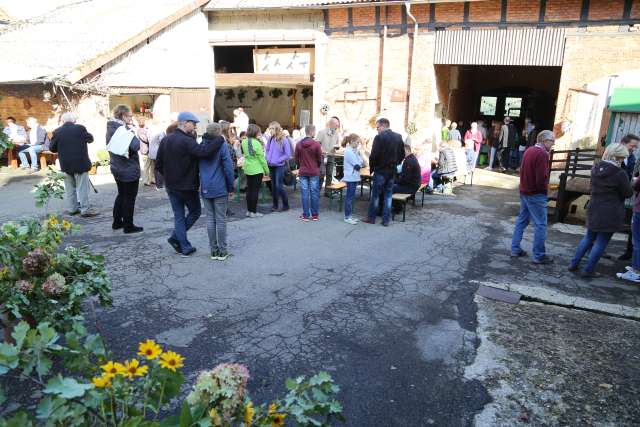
(625, 100)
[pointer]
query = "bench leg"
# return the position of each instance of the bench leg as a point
(43, 161)
(423, 192)
(404, 211)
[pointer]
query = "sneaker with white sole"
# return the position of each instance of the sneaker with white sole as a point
(222, 255)
(258, 215)
(351, 221)
(630, 276)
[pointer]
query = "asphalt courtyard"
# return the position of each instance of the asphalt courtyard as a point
(392, 313)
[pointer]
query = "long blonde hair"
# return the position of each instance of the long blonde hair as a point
(277, 132)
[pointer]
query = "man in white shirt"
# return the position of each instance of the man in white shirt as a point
(329, 139)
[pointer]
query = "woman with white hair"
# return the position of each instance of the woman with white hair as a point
(606, 212)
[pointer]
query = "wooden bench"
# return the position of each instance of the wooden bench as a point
(575, 177)
(335, 190)
(404, 198)
(46, 157)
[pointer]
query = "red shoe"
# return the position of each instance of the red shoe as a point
(303, 218)
(368, 221)
(314, 218)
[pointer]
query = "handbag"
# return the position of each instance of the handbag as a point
(288, 177)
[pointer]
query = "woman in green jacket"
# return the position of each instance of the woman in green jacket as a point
(255, 167)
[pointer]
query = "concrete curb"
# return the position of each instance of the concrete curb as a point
(558, 298)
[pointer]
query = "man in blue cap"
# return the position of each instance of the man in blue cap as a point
(177, 161)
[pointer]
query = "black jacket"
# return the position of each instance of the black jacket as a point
(124, 169)
(609, 187)
(410, 175)
(177, 159)
(386, 153)
(70, 142)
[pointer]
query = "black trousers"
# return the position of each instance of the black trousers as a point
(125, 203)
(253, 189)
(159, 179)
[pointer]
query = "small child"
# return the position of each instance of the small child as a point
(352, 164)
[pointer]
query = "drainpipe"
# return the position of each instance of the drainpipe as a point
(411, 61)
(383, 38)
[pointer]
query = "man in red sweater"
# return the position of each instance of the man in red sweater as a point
(308, 155)
(534, 184)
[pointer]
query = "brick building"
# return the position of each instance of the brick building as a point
(555, 61)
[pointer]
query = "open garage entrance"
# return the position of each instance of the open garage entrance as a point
(491, 92)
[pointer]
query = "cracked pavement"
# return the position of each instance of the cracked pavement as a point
(391, 312)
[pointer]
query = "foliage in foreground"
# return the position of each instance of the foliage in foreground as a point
(92, 389)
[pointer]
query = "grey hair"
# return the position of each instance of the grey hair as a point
(544, 136)
(214, 129)
(309, 130)
(614, 152)
(68, 117)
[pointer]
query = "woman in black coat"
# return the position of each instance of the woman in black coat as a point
(606, 212)
(126, 171)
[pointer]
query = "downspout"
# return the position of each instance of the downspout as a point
(411, 60)
(381, 64)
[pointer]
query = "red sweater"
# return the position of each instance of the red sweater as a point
(308, 155)
(534, 171)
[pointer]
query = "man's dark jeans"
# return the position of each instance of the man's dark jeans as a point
(179, 200)
(381, 184)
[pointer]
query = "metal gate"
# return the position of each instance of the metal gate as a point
(622, 124)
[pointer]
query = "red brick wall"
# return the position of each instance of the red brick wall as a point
(485, 11)
(394, 14)
(523, 10)
(606, 9)
(563, 10)
(25, 101)
(449, 12)
(421, 12)
(364, 16)
(338, 18)
(635, 9)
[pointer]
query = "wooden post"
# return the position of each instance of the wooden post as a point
(294, 107)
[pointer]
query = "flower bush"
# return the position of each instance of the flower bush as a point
(135, 392)
(39, 282)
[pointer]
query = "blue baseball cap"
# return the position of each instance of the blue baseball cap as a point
(187, 116)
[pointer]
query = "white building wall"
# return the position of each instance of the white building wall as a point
(178, 56)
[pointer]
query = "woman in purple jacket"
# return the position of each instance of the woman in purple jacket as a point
(278, 154)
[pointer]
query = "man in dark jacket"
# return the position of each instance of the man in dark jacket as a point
(70, 142)
(177, 161)
(410, 176)
(387, 153)
(534, 185)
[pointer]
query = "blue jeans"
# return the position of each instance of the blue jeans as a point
(635, 233)
(310, 191)
(182, 223)
(348, 200)
(278, 191)
(531, 208)
(33, 151)
(597, 242)
(381, 184)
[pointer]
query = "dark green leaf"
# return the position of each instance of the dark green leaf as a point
(185, 415)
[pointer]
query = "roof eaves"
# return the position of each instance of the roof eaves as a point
(91, 65)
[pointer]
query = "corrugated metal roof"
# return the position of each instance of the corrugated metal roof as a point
(64, 43)
(526, 46)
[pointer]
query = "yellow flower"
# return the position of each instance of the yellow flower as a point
(215, 418)
(171, 360)
(149, 349)
(101, 382)
(53, 221)
(4, 272)
(248, 414)
(278, 420)
(112, 369)
(66, 225)
(273, 408)
(132, 369)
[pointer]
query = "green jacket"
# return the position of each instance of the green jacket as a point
(253, 165)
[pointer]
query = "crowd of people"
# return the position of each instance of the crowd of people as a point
(30, 141)
(238, 155)
(614, 180)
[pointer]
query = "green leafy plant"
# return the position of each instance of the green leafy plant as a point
(5, 142)
(95, 390)
(40, 282)
(52, 187)
(103, 158)
(412, 128)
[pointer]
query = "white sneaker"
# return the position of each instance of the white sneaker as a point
(488, 168)
(631, 269)
(258, 215)
(351, 221)
(629, 275)
(249, 215)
